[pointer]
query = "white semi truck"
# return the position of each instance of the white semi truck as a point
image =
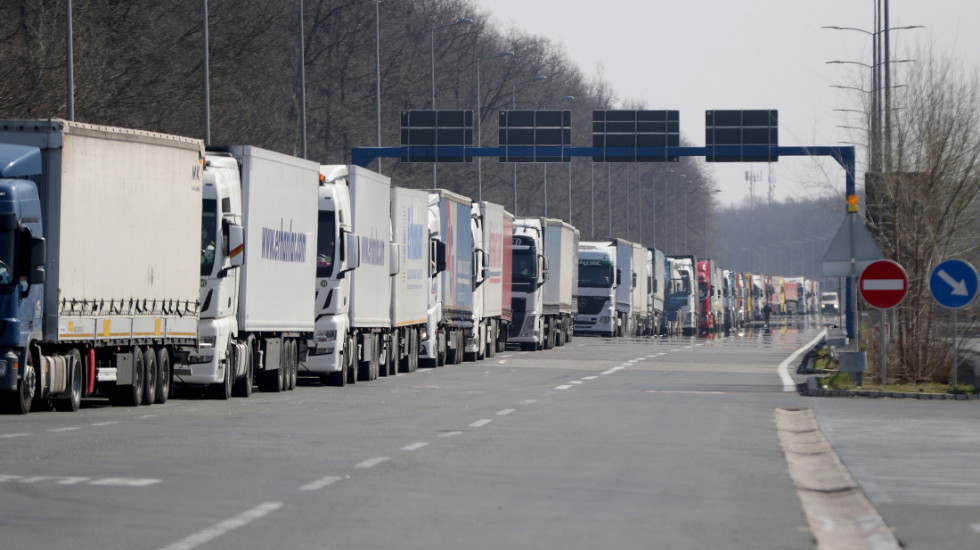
(258, 238)
(355, 262)
(450, 311)
(99, 245)
(545, 282)
(492, 229)
(599, 279)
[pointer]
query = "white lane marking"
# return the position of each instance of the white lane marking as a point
(661, 353)
(788, 384)
(145, 416)
(450, 434)
(125, 482)
(415, 446)
(580, 345)
(677, 349)
(564, 387)
(481, 423)
(505, 412)
(320, 483)
(65, 429)
(372, 462)
(590, 378)
(11, 436)
(575, 382)
(226, 526)
(975, 527)
(109, 423)
(502, 361)
(529, 402)
(508, 355)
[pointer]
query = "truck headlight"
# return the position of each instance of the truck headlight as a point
(604, 319)
(324, 336)
(208, 340)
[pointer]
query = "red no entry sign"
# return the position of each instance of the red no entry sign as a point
(884, 284)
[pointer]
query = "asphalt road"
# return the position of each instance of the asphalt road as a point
(645, 443)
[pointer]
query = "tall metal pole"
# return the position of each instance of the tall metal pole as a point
(207, 81)
(545, 186)
(569, 190)
(609, 197)
(302, 74)
(888, 95)
(627, 202)
(592, 202)
(70, 61)
(377, 71)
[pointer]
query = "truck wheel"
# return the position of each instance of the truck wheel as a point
(74, 399)
(413, 350)
(492, 336)
(293, 363)
(243, 386)
(441, 352)
(350, 361)
(164, 378)
(150, 382)
(222, 390)
(20, 402)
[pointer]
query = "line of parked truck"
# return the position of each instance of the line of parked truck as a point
(132, 261)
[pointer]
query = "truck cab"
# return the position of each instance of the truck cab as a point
(530, 271)
(598, 279)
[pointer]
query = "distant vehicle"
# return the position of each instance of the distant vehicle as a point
(829, 303)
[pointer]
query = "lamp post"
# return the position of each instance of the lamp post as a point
(432, 66)
(545, 164)
(879, 60)
(302, 74)
(377, 70)
(479, 140)
(513, 105)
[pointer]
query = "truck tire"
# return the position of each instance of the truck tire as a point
(164, 375)
(222, 390)
(73, 401)
(270, 380)
(350, 360)
(150, 382)
(492, 336)
(293, 363)
(132, 395)
(441, 352)
(20, 401)
(413, 350)
(243, 386)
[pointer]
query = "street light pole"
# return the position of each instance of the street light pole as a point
(377, 70)
(513, 105)
(432, 66)
(479, 138)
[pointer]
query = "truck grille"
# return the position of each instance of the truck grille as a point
(591, 305)
(519, 305)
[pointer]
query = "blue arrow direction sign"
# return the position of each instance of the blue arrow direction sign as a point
(953, 283)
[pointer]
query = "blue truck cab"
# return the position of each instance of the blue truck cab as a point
(21, 273)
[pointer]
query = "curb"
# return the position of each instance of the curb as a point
(811, 388)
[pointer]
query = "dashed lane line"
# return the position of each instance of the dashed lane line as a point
(453, 433)
(224, 527)
(505, 412)
(563, 387)
(11, 436)
(372, 462)
(415, 446)
(65, 429)
(529, 402)
(320, 483)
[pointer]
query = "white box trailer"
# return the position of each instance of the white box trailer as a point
(639, 297)
(370, 287)
(561, 288)
(279, 196)
(120, 210)
(410, 286)
(626, 276)
(498, 231)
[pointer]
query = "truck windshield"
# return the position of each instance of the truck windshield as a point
(702, 290)
(326, 243)
(209, 231)
(524, 267)
(6, 257)
(595, 274)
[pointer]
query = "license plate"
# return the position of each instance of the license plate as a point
(182, 372)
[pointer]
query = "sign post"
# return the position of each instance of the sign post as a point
(884, 285)
(954, 285)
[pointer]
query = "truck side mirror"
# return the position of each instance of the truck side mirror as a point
(438, 253)
(394, 257)
(352, 244)
(633, 281)
(619, 276)
(236, 244)
(38, 251)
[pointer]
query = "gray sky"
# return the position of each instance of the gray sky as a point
(697, 55)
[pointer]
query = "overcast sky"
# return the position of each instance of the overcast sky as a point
(697, 55)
